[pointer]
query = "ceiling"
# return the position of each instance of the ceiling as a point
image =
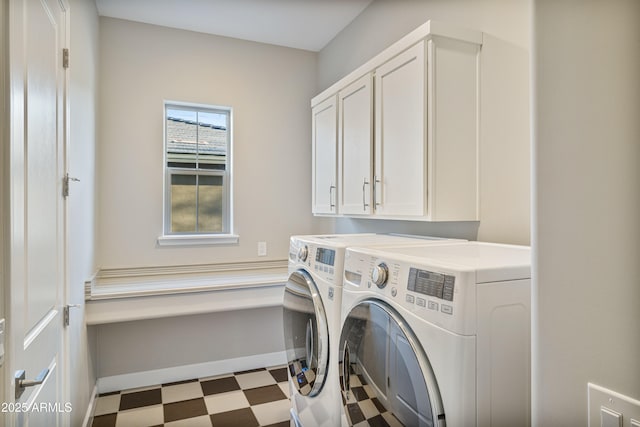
(301, 24)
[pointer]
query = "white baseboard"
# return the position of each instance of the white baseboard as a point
(186, 372)
(92, 402)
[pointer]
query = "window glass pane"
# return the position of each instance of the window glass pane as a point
(211, 118)
(196, 139)
(212, 140)
(182, 131)
(210, 204)
(197, 148)
(213, 166)
(182, 114)
(183, 203)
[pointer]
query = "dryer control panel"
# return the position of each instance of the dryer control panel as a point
(431, 284)
(437, 293)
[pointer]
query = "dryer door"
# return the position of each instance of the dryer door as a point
(384, 372)
(305, 333)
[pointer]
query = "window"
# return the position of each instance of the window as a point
(197, 170)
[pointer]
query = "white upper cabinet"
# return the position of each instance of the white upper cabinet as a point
(324, 129)
(355, 140)
(407, 131)
(400, 143)
(452, 125)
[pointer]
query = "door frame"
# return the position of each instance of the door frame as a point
(4, 179)
(65, 349)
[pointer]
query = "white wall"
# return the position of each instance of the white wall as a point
(83, 87)
(147, 345)
(586, 222)
(269, 89)
(504, 122)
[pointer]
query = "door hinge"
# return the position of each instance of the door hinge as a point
(65, 313)
(65, 184)
(65, 58)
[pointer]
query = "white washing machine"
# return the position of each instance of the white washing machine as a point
(311, 316)
(436, 335)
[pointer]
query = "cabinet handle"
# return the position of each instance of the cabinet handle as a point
(364, 201)
(331, 202)
(375, 191)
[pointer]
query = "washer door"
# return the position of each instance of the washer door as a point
(306, 336)
(384, 373)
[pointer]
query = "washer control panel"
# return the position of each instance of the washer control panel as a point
(323, 261)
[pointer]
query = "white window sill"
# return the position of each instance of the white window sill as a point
(198, 240)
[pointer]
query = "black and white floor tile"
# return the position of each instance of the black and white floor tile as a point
(253, 398)
(361, 403)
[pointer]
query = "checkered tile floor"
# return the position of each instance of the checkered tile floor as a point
(245, 399)
(305, 378)
(361, 403)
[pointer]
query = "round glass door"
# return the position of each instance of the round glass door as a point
(385, 376)
(306, 336)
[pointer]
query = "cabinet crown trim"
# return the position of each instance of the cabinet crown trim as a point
(426, 31)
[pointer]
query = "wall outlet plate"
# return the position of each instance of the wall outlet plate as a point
(605, 401)
(262, 248)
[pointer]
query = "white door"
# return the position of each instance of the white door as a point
(400, 134)
(36, 239)
(355, 138)
(324, 119)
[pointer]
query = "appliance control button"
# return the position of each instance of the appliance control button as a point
(394, 292)
(303, 252)
(433, 305)
(379, 275)
(410, 299)
(447, 309)
(331, 291)
(421, 302)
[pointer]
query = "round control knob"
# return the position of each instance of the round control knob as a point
(303, 252)
(379, 275)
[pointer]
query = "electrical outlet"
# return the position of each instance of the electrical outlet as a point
(262, 248)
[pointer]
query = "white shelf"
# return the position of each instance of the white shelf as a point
(119, 295)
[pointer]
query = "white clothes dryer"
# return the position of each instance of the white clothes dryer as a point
(311, 319)
(436, 335)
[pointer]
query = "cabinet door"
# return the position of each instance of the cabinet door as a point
(324, 135)
(400, 135)
(355, 126)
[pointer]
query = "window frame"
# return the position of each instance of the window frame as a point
(227, 236)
